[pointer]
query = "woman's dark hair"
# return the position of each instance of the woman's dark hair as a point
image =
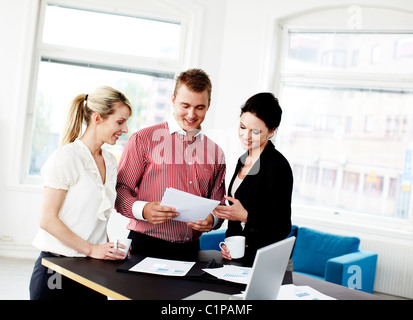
(264, 106)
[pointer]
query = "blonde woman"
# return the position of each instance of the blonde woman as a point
(79, 191)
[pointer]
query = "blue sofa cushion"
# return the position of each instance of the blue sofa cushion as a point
(313, 248)
(293, 232)
(210, 240)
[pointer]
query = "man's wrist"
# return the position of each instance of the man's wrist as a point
(137, 210)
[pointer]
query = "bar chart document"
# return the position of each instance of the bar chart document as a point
(163, 267)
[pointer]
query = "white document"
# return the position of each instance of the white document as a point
(292, 292)
(231, 273)
(190, 207)
(163, 267)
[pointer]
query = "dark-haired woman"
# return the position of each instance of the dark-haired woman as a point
(261, 187)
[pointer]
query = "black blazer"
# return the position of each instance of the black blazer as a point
(266, 194)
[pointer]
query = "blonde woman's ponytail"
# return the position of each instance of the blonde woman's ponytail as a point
(102, 100)
(74, 121)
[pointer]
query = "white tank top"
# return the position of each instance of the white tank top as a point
(234, 188)
(235, 185)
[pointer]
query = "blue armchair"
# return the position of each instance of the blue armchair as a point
(334, 258)
(326, 256)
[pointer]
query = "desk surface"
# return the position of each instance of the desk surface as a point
(103, 277)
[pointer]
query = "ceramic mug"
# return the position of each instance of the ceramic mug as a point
(235, 245)
(126, 243)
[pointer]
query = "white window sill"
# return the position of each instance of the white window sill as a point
(354, 223)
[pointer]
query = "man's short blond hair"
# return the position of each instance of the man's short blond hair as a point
(196, 80)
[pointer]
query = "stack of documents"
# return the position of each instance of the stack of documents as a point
(190, 207)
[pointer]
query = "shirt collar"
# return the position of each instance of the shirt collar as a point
(174, 127)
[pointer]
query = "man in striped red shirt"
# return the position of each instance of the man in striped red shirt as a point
(171, 154)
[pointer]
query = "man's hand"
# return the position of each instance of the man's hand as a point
(157, 214)
(202, 225)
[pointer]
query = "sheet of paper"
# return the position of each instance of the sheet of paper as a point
(190, 207)
(292, 292)
(231, 273)
(163, 267)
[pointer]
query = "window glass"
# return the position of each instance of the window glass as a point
(351, 146)
(99, 49)
(59, 83)
(350, 52)
(348, 119)
(111, 33)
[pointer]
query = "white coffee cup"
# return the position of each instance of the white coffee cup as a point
(126, 243)
(235, 245)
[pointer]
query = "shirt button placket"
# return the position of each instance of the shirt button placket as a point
(189, 164)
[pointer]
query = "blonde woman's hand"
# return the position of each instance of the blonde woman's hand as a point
(107, 251)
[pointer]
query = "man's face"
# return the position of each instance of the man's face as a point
(190, 108)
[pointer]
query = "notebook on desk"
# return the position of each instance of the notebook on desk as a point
(267, 274)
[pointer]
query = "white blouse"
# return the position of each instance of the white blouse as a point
(88, 203)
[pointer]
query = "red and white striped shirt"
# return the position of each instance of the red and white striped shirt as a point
(159, 157)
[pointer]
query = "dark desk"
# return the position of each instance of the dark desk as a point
(103, 277)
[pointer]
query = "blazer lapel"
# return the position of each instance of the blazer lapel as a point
(246, 181)
(254, 171)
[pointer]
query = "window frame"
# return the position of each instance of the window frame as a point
(359, 222)
(190, 18)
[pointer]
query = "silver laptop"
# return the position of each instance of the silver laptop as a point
(267, 274)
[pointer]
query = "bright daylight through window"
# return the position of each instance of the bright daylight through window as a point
(74, 58)
(348, 124)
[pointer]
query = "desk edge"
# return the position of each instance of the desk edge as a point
(86, 282)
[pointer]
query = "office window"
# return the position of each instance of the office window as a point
(394, 183)
(347, 98)
(373, 184)
(329, 177)
(368, 123)
(81, 49)
(109, 32)
(350, 181)
(298, 172)
(404, 48)
(375, 52)
(312, 175)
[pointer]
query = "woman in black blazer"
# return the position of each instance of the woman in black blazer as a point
(261, 187)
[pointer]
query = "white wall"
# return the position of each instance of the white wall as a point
(18, 206)
(237, 41)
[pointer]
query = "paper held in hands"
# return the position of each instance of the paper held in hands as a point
(190, 207)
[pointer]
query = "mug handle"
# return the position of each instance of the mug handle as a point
(220, 245)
